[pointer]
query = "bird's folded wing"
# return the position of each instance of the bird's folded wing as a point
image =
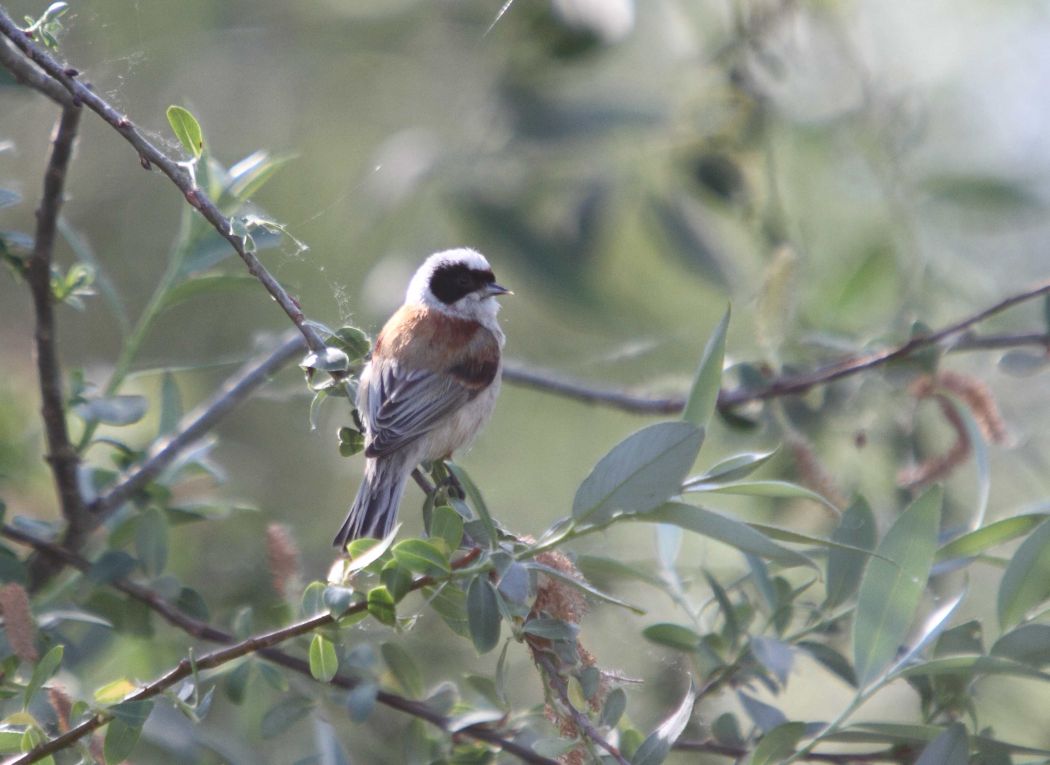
(403, 407)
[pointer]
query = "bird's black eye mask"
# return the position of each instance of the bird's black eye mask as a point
(451, 282)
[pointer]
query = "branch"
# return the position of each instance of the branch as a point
(235, 390)
(518, 374)
(263, 645)
(61, 455)
(30, 75)
(83, 93)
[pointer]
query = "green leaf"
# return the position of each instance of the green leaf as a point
(673, 636)
(703, 397)
(477, 501)
(397, 579)
(43, 671)
(726, 530)
(969, 667)
(1026, 581)
(362, 700)
(170, 404)
(657, 745)
(483, 614)
(551, 629)
(891, 589)
(583, 586)
(980, 456)
(845, 567)
(9, 198)
(120, 741)
(151, 541)
(284, 714)
(186, 128)
(323, 661)
(113, 410)
(208, 284)
(613, 708)
(365, 552)
(736, 467)
(447, 524)
(977, 542)
(404, 668)
(1029, 643)
(248, 176)
(450, 603)
(950, 748)
(639, 473)
(354, 342)
(421, 556)
(777, 489)
(778, 744)
(381, 605)
(351, 442)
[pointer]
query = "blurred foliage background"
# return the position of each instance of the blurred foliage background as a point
(835, 170)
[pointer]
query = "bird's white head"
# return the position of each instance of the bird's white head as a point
(459, 283)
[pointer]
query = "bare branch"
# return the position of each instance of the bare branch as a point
(61, 455)
(549, 382)
(263, 645)
(196, 425)
(83, 93)
(30, 75)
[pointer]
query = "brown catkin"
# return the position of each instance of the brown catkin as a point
(283, 555)
(18, 621)
(62, 705)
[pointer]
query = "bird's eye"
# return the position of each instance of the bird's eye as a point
(463, 281)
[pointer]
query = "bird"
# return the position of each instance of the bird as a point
(430, 385)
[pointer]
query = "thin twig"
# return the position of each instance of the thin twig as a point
(83, 93)
(557, 682)
(263, 645)
(578, 390)
(195, 425)
(61, 455)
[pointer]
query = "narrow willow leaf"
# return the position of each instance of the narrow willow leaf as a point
(725, 529)
(113, 410)
(170, 404)
(932, 628)
(614, 707)
(950, 748)
(124, 729)
(447, 524)
(483, 614)
(673, 636)
(1026, 581)
(890, 591)
(703, 397)
(404, 668)
(477, 501)
(734, 468)
(186, 128)
(657, 745)
(584, 586)
(640, 472)
(43, 671)
(766, 716)
(778, 744)
(775, 489)
(323, 660)
(1029, 643)
(374, 552)
(151, 541)
(976, 542)
(381, 605)
(970, 666)
(208, 285)
(845, 567)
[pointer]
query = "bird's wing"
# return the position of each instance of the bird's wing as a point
(403, 406)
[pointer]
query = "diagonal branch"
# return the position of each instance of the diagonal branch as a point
(30, 75)
(61, 455)
(83, 93)
(196, 425)
(549, 382)
(264, 645)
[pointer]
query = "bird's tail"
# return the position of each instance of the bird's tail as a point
(375, 506)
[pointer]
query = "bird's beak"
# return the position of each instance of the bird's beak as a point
(492, 290)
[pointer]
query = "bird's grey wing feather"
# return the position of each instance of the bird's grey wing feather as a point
(405, 406)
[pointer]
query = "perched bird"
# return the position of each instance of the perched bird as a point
(431, 384)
